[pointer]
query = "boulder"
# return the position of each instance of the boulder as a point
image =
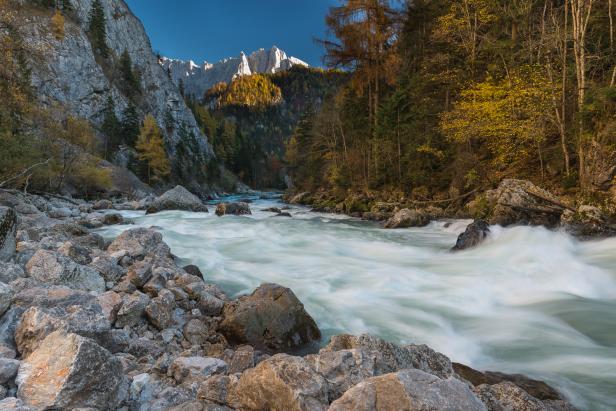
(8, 229)
(271, 319)
(79, 254)
(233, 209)
(159, 310)
(6, 295)
(474, 234)
(407, 218)
(37, 323)
(110, 303)
(195, 331)
(139, 242)
(140, 272)
(51, 267)
(177, 198)
(113, 218)
(193, 270)
(522, 202)
(282, 382)
(587, 222)
(102, 205)
(10, 272)
(409, 390)
(508, 396)
(194, 368)
(243, 358)
(14, 404)
(68, 371)
(132, 311)
(8, 370)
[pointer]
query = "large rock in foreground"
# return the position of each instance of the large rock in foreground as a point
(177, 198)
(522, 202)
(271, 319)
(139, 242)
(233, 209)
(68, 371)
(51, 267)
(409, 390)
(8, 227)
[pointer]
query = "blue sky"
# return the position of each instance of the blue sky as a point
(214, 29)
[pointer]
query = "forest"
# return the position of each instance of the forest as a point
(447, 97)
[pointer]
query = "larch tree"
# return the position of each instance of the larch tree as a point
(151, 149)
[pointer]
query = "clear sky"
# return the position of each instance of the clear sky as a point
(214, 29)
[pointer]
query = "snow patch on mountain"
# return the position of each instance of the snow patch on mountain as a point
(198, 79)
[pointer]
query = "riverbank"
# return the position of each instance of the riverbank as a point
(163, 337)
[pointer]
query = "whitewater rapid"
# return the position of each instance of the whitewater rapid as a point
(528, 300)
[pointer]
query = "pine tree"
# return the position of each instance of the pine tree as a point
(151, 149)
(129, 77)
(130, 125)
(111, 128)
(97, 29)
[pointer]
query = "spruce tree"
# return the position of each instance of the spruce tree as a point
(111, 128)
(130, 125)
(97, 29)
(129, 78)
(181, 87)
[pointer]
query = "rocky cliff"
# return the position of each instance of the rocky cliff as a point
(198, 79)
(70, 74)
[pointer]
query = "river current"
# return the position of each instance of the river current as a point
(528, 300)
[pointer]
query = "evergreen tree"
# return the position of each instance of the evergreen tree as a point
(97, 29)
(129, 77)
(130, 125)
(111, 128)
(151, 149)
(181, 87)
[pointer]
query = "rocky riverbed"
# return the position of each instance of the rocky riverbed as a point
(87, 323)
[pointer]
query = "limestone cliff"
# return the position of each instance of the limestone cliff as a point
(70, 74)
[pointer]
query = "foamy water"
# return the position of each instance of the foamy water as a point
(528, 300)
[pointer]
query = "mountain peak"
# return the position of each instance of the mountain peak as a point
(198, 79)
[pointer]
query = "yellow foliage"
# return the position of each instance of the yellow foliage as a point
(57, 25)
(255, 91)
(151, 149)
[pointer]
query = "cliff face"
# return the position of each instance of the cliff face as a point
(70, 74)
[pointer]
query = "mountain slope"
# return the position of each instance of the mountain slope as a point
(70, 74)
(198, 79)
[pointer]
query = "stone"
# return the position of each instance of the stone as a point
(102, 205)
(587, 222)
(521, 202)
(536, 388)
(194, 270)
(232, 209)
(272, 210)
(409, 390)
(391, 357)
(77, 253)
(6, 296)
(37, 323)
(8, 230)
(140, 272)
(508, 396)
(178, 198)
(195, 331)
(474, 234)
(271, 318)
(8, 370)
(113, 219)
(69, 371)
(60, 212)
(108, 267)
(14, 404)
(110, 303)
(219, 389)
(10, 272)
(154, 285)
(407, 218)
(282, 382)
(159, 310)
(283, 214)
(243, 359)
(139, 242)
(194, 368)
(51, 267)
(132, 311)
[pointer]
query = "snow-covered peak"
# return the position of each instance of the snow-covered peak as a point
(200, 78)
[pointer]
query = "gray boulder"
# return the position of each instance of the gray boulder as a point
(139, 242)
(51, 267)
(410, 390)
(6, 295)
(8, 370)
(474, 234)
(68, 371)
(8, 229)
(10, 272)
(232, 209)
(195, 368)
(407, 218)
(102, 205)
(159, 310)
(132, 311)
(271, 318)
(177, 198)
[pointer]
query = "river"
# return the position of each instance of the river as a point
(528, 300)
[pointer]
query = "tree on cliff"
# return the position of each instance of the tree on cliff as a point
(111, 128)
(151, 149)
(97, 29)
(130, 125)
(57, 25)
(129, 76)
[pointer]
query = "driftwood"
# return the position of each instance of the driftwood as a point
(23, 172)
(448, 200)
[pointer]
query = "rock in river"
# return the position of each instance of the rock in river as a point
(177, 198)
(232, 208)
(474, 234)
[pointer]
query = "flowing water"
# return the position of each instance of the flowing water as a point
(528, 300)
